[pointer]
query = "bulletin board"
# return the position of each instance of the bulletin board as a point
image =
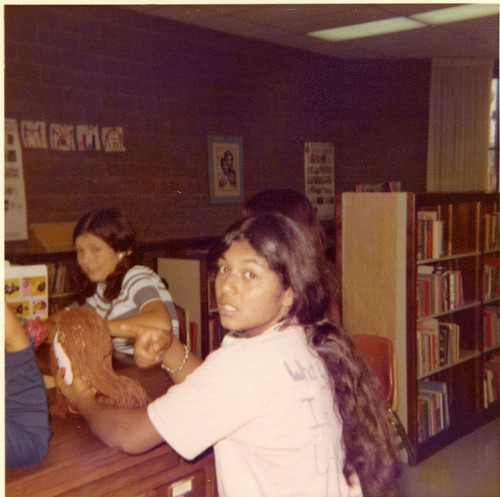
(16, 227)
(319, 178)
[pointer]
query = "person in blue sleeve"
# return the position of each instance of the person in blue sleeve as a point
(27, 428)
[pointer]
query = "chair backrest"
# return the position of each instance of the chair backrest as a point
(379, 356)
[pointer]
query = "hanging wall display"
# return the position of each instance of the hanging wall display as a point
(225, 157)
(33, 134)
(16, 227)
(319, 178)
(112, 139)
(87, 138)
(62, 137)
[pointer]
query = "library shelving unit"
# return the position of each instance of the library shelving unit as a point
(61, 267)
(51, 244)
(191, 287)
(381, 267)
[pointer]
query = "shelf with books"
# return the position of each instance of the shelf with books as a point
(61, 284)
(433, 408)
(60, 268)
(491, 379)
(491, 327)
(392, 287)
(491, 275)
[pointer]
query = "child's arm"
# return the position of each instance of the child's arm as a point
(126, 429)
(153, 314)
(15, 337)
(154, 346)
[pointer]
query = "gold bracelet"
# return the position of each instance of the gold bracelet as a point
(181, 365)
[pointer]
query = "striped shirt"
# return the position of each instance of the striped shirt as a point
(140, 286)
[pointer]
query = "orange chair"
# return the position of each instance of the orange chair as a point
(378, 353)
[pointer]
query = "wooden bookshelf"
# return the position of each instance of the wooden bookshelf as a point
(191, 287)
(378, 260)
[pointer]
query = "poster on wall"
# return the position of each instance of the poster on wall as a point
(319, 178)
(33, 134)
(62, 137)
(225, 157)
(16, 227)
(112, 139)
(87, 138)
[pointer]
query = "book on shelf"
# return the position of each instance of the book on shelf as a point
(438, 290)
(491, 276)
(433, 415)
(427, 345)
(429, 235)
(26, 290)
(491, 326)
(491, 231)
(437, 344)
(58, 278)
(491, 384)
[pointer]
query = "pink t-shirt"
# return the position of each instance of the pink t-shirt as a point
(266, 406)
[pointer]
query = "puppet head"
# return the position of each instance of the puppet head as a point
(83, 341)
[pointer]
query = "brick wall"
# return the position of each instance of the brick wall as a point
(170, 86)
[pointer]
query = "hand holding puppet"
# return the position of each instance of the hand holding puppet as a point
(82, 341)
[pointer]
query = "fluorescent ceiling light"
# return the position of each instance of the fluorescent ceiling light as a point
(396, 24)
(456, 14)
(368, 29)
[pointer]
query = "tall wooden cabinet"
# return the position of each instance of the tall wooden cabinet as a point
(392, 287)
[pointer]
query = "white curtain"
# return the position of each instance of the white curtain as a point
(460, 93)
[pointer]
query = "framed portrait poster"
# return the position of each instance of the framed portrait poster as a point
(225, 157)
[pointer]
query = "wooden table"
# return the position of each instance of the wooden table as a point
(79, 464)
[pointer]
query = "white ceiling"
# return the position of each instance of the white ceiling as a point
(288, 25)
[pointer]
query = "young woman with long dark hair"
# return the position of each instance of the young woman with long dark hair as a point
(292, 410)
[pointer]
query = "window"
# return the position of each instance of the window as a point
(493, 165)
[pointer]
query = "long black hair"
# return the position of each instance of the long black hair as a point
(367, 435)
(111, 226)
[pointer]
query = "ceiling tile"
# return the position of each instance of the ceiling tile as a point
(288, 25)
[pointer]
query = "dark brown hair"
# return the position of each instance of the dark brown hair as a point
(292, 204)
(367, 435)
(111, 226)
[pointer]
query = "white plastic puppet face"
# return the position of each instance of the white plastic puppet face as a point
(63, 361)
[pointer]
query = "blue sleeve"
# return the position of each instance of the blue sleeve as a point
(27, 428)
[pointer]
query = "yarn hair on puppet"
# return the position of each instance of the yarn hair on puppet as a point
(82, 341)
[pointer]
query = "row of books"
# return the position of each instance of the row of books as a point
(491, 380)
(433, 410)
(491, 326)
(58, 278)
(438, 344)
(429, 235)
(491, 231)
(491, 277)
(438, 290)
